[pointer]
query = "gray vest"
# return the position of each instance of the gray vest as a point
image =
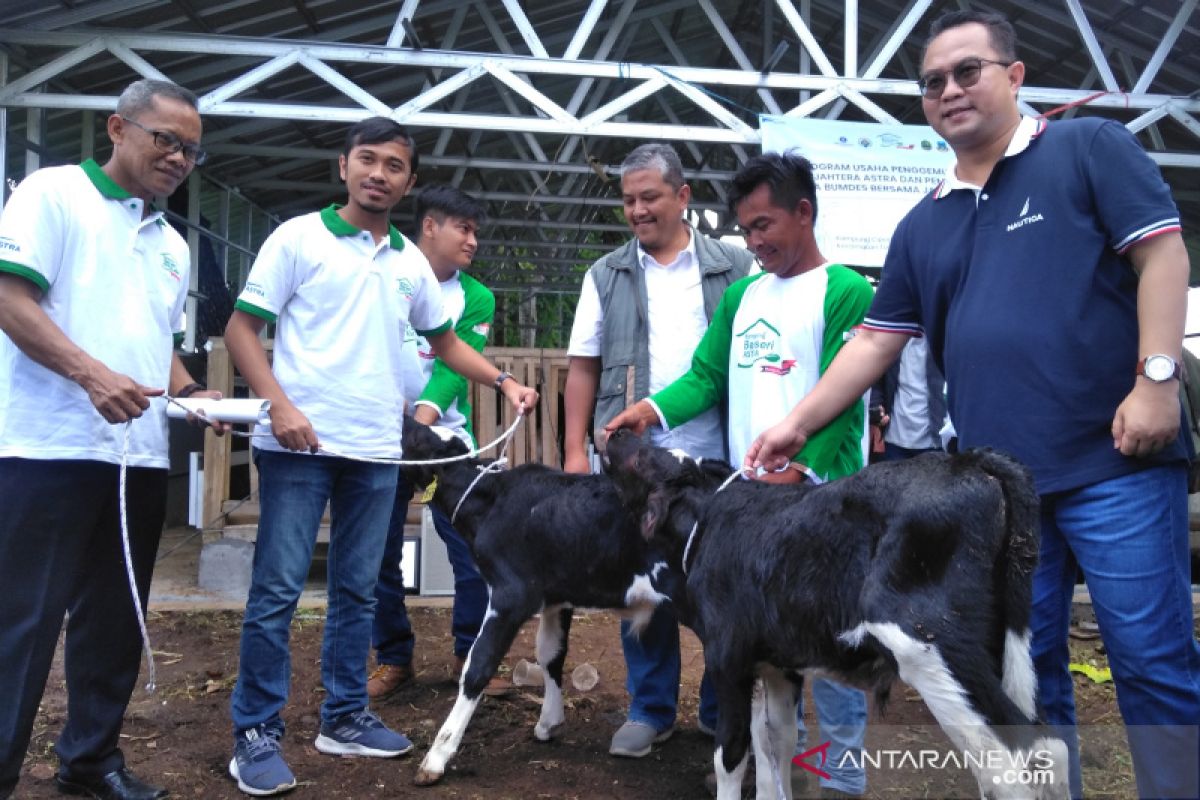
(621, 284)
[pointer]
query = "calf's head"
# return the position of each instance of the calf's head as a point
(427, 443)
(664, 489)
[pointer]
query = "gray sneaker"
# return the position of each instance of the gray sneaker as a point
(634, 739)
(258, 764)
(361, 733)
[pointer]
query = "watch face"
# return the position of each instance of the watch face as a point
(1159, 368)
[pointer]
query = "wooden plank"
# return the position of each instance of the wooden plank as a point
(217, 449)
(554, 388)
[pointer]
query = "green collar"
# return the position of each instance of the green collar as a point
(339, 227)
(104, 184)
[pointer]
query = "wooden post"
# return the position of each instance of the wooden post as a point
(217, 449)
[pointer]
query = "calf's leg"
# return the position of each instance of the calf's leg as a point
(922, 667)
(500, 626)
(553, 630)
(773, 732)
(734, 689)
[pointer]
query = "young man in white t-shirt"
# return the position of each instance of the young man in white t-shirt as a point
(92, 289)
(342, 286)
(447, 221)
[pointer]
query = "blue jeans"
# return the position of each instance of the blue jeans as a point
(842, 715)
(1129, 535)
(652, 674)
(392, 634)
(293, 491)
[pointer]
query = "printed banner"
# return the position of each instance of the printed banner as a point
(868, 176)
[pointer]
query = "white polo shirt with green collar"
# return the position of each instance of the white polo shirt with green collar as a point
(115, 283)
(341, 304)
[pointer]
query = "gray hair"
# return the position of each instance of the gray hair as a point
(657, 156)
(139, 96)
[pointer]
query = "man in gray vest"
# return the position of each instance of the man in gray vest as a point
(641, 313)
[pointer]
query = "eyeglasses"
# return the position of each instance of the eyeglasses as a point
(966, 75)
(168, 142)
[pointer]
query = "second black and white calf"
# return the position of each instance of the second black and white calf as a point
(920, 568)
(544, 541)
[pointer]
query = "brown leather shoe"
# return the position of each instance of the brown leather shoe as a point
(387, 679)
(496, 687)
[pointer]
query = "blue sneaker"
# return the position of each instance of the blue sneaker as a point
(258, 764)
(360, 733)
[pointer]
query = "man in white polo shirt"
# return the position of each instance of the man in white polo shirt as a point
(341, 286)
(92, 289)
(641, 312)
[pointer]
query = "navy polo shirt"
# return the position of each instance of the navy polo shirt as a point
(1027, 298)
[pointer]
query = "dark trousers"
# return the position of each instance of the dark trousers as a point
(391, 633)
(61, 553)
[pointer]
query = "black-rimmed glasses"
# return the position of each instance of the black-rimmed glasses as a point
(168, 142)
(965, 72)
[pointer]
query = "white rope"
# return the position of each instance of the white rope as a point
(502, 438)
(495, 466)
(133, 587)
(687, 548)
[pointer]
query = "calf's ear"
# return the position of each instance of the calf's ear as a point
(657, 506)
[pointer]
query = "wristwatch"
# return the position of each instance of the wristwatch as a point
(1158, 368)
(501, 378)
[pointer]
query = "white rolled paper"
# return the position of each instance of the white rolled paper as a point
(235, 410)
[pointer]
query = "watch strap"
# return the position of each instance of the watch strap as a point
(1141, 368)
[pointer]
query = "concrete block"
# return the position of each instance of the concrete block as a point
(225, 567)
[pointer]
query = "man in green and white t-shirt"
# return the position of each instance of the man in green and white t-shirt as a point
(447, 220)
(771, 338)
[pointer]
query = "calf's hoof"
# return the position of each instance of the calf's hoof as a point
(544, 734)
(426, 777)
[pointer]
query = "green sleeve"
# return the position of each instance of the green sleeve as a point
(445, 385)
(835, 451)
(705, 384)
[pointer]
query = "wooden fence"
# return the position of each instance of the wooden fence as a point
(538, 439)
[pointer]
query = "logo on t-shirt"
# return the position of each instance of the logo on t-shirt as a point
(8, 245)
(760, 342)
(405, 287)
(482, 329)
(1024, 218)
(170, 266)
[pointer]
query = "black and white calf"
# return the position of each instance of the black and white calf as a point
(544, 541)
(919, 568)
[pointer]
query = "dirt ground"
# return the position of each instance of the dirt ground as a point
(179, 736)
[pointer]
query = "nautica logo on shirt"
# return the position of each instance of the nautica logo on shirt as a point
(1025, 218)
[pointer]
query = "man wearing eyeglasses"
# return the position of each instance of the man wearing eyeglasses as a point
(1048, 273)
(92, 289)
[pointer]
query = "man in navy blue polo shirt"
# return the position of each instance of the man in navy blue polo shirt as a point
(1049, 276)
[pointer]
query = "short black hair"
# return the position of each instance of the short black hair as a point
(441, 200)
(1000, 31)
(376, 130)
(788, 175)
